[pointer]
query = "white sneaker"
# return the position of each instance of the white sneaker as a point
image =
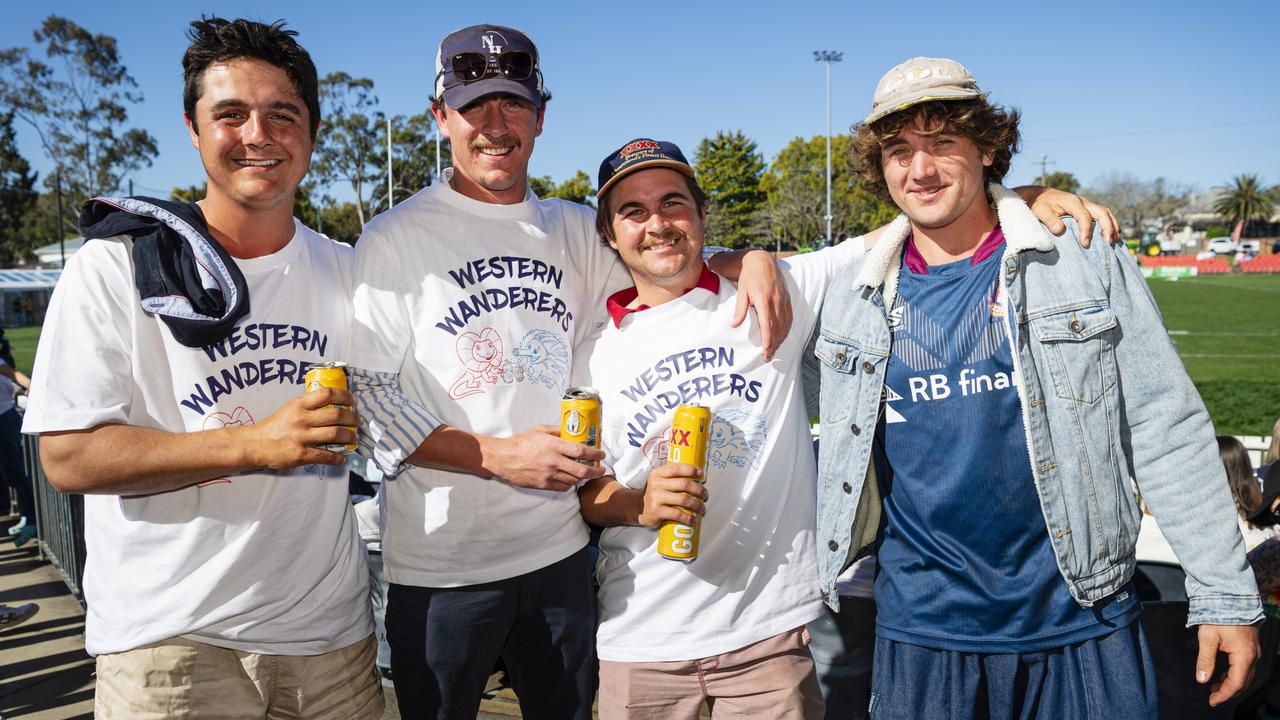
(17, 527)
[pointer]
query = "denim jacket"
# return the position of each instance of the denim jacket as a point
(1105, 403)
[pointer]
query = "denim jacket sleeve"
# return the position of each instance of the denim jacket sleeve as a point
(1168, 439)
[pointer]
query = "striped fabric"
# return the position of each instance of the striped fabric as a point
(393, 426)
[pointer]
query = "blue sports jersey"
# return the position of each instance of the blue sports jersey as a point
(966, 563)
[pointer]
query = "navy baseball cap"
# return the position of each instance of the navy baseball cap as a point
(639, 154)
(486, 59)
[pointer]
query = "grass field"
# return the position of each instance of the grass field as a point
(1227, 329)
(24, 341)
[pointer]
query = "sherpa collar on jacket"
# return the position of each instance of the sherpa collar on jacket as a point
(1022, 231)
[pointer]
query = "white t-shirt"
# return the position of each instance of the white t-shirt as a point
(478, 307)
(1255, 536)
(265, 562)
(755, 575)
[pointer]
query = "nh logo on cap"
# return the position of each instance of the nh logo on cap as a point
(491, 40)
(915, 74)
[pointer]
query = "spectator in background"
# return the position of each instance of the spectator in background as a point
(1273, 451)
(1264, 516)
(1265, 558)
(12, 383)
(1256, 518)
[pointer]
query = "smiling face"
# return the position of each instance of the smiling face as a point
(935, 179)
(253, 132)
(492, 140)
(657, 229)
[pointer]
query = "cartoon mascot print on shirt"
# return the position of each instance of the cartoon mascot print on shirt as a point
(541, 358)
(737, 438)
(481, 357)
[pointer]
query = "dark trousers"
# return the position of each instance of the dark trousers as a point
(1108, 677)
(842, 645)
(446, 641)
(12, 465)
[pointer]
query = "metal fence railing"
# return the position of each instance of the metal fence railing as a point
(60, 520)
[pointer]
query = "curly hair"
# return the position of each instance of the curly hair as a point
(215, 40)
(992, 128)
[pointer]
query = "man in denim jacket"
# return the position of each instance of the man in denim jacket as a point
(984, 431)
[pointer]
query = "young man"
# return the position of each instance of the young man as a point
(472, 297)
(225, 575)
(988, 391)
(728, 627)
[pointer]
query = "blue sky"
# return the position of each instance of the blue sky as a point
(1183, 90)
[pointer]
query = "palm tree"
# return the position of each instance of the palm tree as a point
(1246, 201)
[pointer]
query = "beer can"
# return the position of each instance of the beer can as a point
(688, 445)
(329, 375)
(580, 418)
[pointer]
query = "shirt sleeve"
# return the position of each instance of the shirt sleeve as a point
(605, 275)
(393, 426)
(810, 274)
(381, 329)
(83, 374)
(813, 271)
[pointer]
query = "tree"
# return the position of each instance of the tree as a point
(1244, 201)
(17, 194)
(340, 221)
(576, 189)
(795, 187)
(190, 193)
(1062, 181)
(78, 105)
(542, 185)
(349, 145)
(729, 168)
(1138, 203)
(413, 157)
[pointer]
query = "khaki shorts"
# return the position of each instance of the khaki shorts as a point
(773, 678)
(179, 678)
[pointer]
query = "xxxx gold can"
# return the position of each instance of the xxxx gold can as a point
(688, 445)
(580, 418)
(329, 375)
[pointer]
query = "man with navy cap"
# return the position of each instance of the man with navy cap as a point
(472, 297)
(728, 628)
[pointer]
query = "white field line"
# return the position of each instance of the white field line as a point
(1202, 280)
(1183, 333)
(1271, 356)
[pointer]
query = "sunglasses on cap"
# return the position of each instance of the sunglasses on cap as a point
(469, 67)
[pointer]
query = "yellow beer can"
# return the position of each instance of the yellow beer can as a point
(580, 418)
(688, 445)
(329, 375)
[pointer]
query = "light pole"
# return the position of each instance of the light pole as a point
(827, 57)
